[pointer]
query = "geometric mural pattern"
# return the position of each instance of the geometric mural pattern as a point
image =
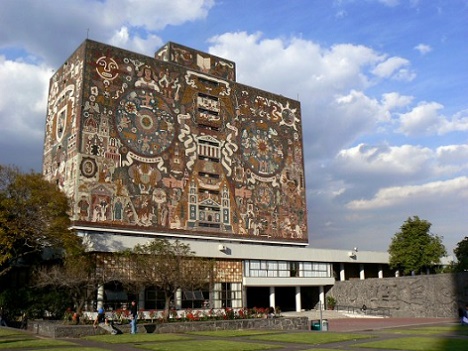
(174, 145)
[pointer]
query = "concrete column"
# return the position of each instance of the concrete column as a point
(100, 297)
(178, 299)
(322, 297)
(272, 297)
(244, 296)
(362, 274)
(342, 272)
(380, 272)
(141, 299)
(217, 303)
(298, 299)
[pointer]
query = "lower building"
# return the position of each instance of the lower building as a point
(249, 274)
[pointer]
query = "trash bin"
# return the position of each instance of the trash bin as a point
(315, 325)
(324, 325)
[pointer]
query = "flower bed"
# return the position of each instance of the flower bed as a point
(122, 316)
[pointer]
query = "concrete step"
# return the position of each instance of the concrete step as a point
(316, 314)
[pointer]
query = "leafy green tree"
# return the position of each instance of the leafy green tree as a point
(461, 253)
(414, 248)
(169, 266)
(33, 217)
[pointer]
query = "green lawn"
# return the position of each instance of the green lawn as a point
(11, 339)
(311, 338)
(418, 344)
(137, 338)
(233, 333)
(32, 343)
(452, 329)
(441, 338)
(207, 345)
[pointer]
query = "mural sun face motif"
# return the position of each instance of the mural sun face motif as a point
(107, 68)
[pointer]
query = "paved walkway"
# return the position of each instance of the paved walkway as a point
(342, 322)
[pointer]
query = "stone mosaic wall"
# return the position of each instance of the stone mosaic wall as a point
(437, 295)
(173, 145)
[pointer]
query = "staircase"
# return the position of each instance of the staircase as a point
(334, 314)
(315, 314)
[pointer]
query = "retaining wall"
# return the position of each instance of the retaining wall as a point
(437, 295)
(59, 330)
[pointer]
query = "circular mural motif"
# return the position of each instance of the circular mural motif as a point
(262, 148)
(88, 167)
(144, 124)
(107, 68)
(265, 196)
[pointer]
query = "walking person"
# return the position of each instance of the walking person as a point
(2, 319)
(133, 317)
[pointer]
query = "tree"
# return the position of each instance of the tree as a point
(414, 248)
(169, 266)
(33, 217)
(75, 276)
(461, 253)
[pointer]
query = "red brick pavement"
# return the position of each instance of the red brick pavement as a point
(363, 324)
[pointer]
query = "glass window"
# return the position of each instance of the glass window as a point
(255, 264)
(272, 265)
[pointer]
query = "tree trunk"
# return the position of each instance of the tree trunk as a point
(167, 306)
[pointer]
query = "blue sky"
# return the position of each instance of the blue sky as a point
(382, 84)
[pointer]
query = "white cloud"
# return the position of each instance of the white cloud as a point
(361, 111)
(385, 161)
(123, 39)
(452, 159)
(421, 120)
(425, 119)
(24, 99)
(155, 14)
(394, 68)
(423, 48)
(456, 188)
(459, 122)
(131, 24)
(394, 100)
(331, 83)
(296, 65)
(23, 104)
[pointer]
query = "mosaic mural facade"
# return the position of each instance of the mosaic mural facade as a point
(174, 145)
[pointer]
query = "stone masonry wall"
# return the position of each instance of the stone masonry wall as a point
(59, 330)
(437, 295)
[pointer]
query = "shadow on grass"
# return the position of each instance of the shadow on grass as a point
(137, 338)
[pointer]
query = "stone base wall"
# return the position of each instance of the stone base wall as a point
(59, 330)
(437, 295)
